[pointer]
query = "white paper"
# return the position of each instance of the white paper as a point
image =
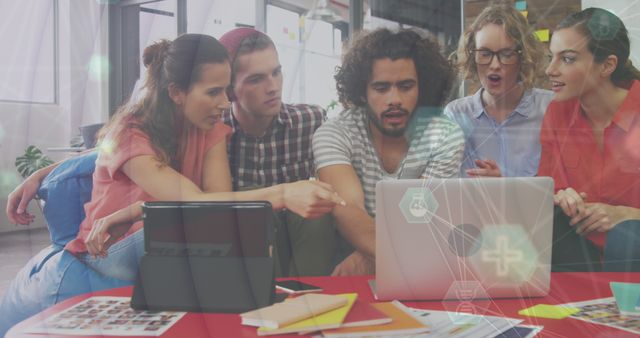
(604, 311)
(461, 325)
(107, 316)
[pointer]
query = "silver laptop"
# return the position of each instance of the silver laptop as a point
(463, 239)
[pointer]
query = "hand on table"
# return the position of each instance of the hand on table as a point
(355, 264)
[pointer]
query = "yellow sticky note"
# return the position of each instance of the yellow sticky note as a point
(543, 34)
(525, 14)
(548, 311)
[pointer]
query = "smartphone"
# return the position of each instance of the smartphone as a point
(294, 287)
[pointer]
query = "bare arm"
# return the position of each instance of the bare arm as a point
(354, 223)
(19, 198)
(306, 198)
(165, 184)
(216, 175)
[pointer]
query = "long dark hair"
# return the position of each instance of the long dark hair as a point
(607, 36)
(179, 62)
(435, 75)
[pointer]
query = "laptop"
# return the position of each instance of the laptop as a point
(205, 257)
(463, 238)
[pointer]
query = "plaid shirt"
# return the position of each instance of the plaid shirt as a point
(283, 154)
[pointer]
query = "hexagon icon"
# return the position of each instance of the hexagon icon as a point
(418, 205)
(466, 298)
(507, 257)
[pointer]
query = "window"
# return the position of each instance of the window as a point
(219, 16)
(322, 52)
(283, 28)
(309, 52)
(28, 61)
(134, 25)
(157, 21)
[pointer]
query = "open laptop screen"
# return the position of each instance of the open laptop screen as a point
(222, 229)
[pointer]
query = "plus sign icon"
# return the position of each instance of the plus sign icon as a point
(507, 256)
(503, 255)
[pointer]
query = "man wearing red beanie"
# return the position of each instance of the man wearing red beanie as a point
(271, 144)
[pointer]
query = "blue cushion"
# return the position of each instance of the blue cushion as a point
(54, 274)
(65, 191)
(51, 276)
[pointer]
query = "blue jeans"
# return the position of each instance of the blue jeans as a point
(122, 259)
(51, 276)
(622, 251)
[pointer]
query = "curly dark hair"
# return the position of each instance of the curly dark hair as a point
(435, 74)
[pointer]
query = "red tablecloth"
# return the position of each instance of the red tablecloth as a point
(565, 287)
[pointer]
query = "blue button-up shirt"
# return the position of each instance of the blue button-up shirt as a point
(514, 143)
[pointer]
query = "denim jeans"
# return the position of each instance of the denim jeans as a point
(622, 251)
(122, 259)
(572, 252)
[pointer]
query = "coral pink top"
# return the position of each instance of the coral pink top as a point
(571, 155)
(113, 190)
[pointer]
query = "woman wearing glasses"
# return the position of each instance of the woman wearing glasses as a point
(590, 143)
(501, 121)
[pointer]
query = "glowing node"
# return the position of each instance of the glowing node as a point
(99, 67)
(106, 146)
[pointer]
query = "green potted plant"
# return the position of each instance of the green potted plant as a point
(32, 160)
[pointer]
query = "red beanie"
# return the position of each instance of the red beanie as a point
(232, 39)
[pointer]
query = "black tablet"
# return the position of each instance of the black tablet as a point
(222, 229)
(205, 256)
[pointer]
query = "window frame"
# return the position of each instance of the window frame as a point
(124, 34)
(56, 64)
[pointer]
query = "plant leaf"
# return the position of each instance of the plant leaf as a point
(32, 160)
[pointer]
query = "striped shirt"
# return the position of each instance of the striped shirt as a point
(436, 146)
(283, 154)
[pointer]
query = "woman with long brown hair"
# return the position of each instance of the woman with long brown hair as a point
(590, 137)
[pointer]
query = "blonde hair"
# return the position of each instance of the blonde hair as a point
(532, 58)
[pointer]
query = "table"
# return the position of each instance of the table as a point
(565, 287)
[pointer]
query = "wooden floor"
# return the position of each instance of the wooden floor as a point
(16, 248)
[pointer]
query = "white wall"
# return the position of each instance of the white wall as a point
(629, 12)
(83, 96)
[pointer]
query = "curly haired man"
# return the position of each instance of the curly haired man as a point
(393, 84)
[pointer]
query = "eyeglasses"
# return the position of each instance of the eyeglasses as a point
(506, 56)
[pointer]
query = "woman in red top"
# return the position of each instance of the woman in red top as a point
(591, 141)
(170, 145)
